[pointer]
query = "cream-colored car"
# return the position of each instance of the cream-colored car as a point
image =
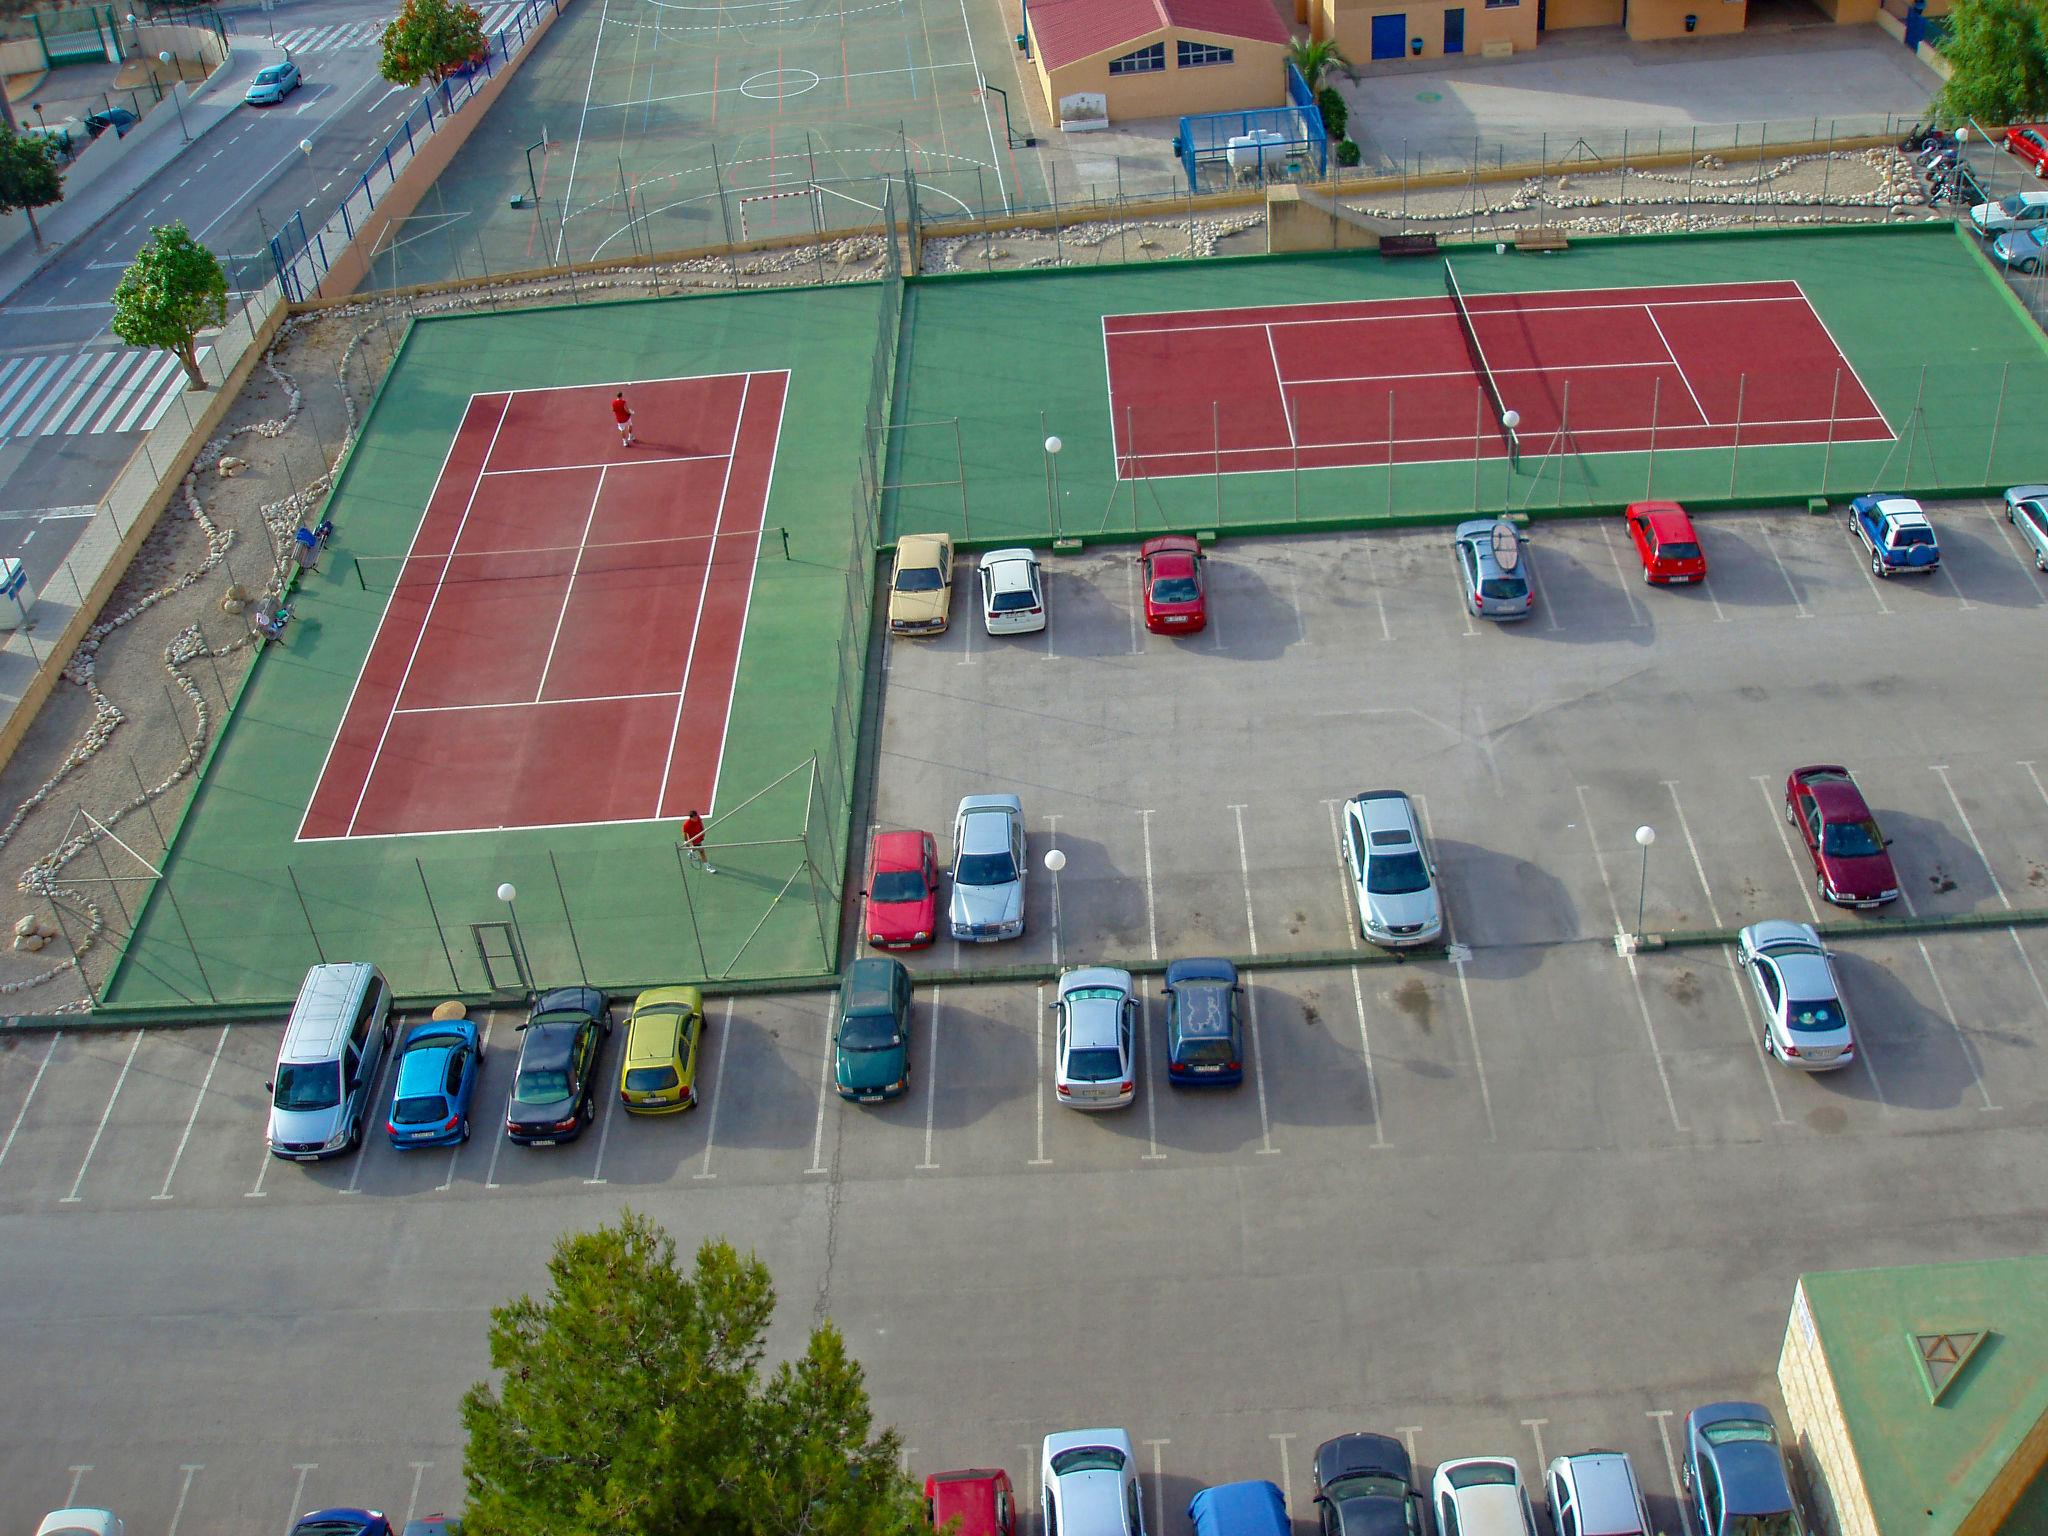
(921, 590)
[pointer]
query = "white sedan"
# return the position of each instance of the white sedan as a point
(1482, 1496)
(1012, 592)
(1805, 1024)
(1095, 1066)
(1089, 1479)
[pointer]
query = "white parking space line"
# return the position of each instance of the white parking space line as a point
(604, 1139)
(1692, 847)
(1294, 602)
(498, 1140)
(1948, 1011)
(1343, 875)
(2025, 557)
(355, 1173)
(1408, 1432)
(1286, 1473)
(1945, 571)
(1535, 1428)
(2032, 975)
(1158, 1486)
(1870, 580)
(824, 1086)
(1152, 1153)
(412, 1500)
(1244, 866)
(304, 1469)
(1798, 602)
(967, 629)
(2038, 789)
(1457, 575)
(1372, 1082)
(77, 1477)
(1251, 1014)
(191, 1469)
(105, 1115)
(483, 1054)
(1940, 771)
(1542, 599)
(1753, 1029)
(1662, 1417)
(30, 1097)
(1131, 602)
(1151, 903)
(717, 1082)
(1460, 959)
(931, 1081)
(1041, 1160)
(1484, 741)
(1775, 810)
(1636, 614)
(255, 1192)
(1372, 576)
(192, 1120)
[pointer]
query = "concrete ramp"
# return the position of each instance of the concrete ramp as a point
(1298, 219)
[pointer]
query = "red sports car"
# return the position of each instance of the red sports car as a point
(902, 891)
(1175, 602)
(1850, 865)
(1665, 543)
(2028, 144)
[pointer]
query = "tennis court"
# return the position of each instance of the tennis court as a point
(569, 619)
(1372, 381)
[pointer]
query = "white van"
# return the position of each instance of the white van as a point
(327, 1065)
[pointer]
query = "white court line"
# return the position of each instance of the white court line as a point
(1754, 1030)
(191, 1469)
(105, 1115)
(1651, 313)
(569, 587)
(824, 1087)
(29, 1098)
(1151, 905)
(1244, 867)
(717, 1082)
(1251, 1014)
(1798, 602)
(483, 1054)
(1281, 382)
(576, 148)
(1372, 1084)
(1152, 1153)
(1041, 1160)
(1969, 1055)
(1941, 772)
(190, 1121)
(636, 461)
(987, 122)
(1436, 306)
(1777, 815)
(931, 1081)
(1685, 827)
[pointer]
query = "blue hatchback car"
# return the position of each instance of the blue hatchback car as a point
(437, 1071)
(1204, 1022)
(1734, 1472)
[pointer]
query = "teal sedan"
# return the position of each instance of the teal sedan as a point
(871, 1047)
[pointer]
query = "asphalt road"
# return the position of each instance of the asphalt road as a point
(1519, 1197)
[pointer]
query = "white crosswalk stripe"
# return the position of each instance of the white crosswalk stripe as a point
(369, 34)
(121, 389)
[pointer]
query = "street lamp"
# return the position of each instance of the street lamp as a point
(135, 32)
(1644, 837)
(166, 58)
(508, 893)
(1052, 487)
(1055, 861)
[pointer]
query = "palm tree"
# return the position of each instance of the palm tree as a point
(1315, 60)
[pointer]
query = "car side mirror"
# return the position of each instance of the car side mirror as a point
(270, 1087)
(1887, 842)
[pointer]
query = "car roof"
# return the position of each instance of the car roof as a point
(98, 1522)
(1363, 1452)
(1808, 977)
(547, 1045)
(1167, 542)
(1664, 516)
(1094, 976)
(1605, 1487)
(985, 828)
(1839, 798)
(871, 983)
(1073, 1439)
(1386, 810)
(1092, 1023)
(899, 850)
(1009, 564)
(968, 1497)
(1240, 1509)
(1776, 930)
(1489, 1509)
(921, 548)
(422, 1072)
(653, 1036)
(2033, 199)
(1752, 1477)
(1199, 969)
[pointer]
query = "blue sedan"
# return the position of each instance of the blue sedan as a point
(437, 1071)
(272, 84)
(1734, 1472)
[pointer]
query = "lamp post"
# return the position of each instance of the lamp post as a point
(1644, 837)
(166, 58)
(1052, 484)
(134, 32)
(508, 893)
(1055, 861)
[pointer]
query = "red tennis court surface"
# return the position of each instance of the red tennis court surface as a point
(1310, 385)
(562, 640)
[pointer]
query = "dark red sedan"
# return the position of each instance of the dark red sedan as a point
(1665, 543)
(1850, 865)
(2028, 144)
(1175, 600)
(902, 891)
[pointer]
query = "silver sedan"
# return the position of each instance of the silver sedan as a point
(2026, 508)
(1493, 568)
(1805, 1024)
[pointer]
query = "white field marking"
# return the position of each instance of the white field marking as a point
(105, 1115)
(1670, 1461)
(1158, 1486)
(1535, 1428)
(1052, 831)
(1636, 614)
(2032, 975)
(376, 1097)
(1693, 848)
(1379, 598)
(29, 1098)
(1372, 1085)
(1286, 1473)
(987, 121)
(1485, 742)
(824, 1086)
(412, 1502)
(1777, 815)
(596, 698)
(1798, 602)
(967, 635)
(1536, 590)
(455, 1152)
(1131, 601)
(888, 648)
(191, 1469)
(717, 1082)
(1478, 1060)
(77, 1477)
(1753, 1028)
(556, 469)
(931, 1082)
(1438, 306)
(1152, 1153)
(1245, 869)
(1906, 900)
(1941, 771)
(1457, 575)
(1344, 883)
(256, 1192)
(1280, 383)
(1635, 978)
(576, 148)
(299, 1488)
(1151, 905)
(2038, 789)
(1969, 1055)
(1870, 578)
(1251, 1014)
(190, 1121)
(604, 1138)
(569, 587)
(1651, 312)
(1294, 602)
(1041, 1159)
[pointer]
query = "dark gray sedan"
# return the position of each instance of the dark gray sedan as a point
(553, 1089)
(1365, 1487)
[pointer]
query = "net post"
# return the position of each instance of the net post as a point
(1216, 457)
(1131, 452)
(1390, 451)
(1735, 455)
(1828, 454)
(1564, 429)
(568, 921)
(1650, 474)
(435, 913)
(358, 564)
(1997, 414)
(305, 912)
(1478, 431)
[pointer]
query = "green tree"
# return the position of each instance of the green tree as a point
(1316, 60)
(29, 178)
(1998, 52)
(431, 40)
(173, 290)
(631, 1403)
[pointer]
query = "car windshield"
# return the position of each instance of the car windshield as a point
(1095, 1064)
(1011, 602)
(541, 1085)
(1080, 994)
(1205, 1053)
(1396, 874)
(651, 1079)
(1913, 533)
(1730, 1430)
(1823, 1014)
(1366, 1485)
(899, 885)
(1503, 588)
(1678, 551)
(1175, 589)
(309, 1085)
(984, 869)
(272, 75)
(1482, 1474)
(2016, 204)
(1784, 1524)
(1851, 839)
(418, 1111)
(919, 578)
(1088, 1458)
(869, 1032)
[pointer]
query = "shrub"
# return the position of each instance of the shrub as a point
(1335, 112)
(1347, 152)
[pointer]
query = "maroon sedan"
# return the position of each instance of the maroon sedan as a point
(1850, 865)
(902, 891)
(1175, 602)
(2028, 144)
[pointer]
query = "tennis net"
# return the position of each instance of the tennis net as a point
(626, 561)
(1481, 366)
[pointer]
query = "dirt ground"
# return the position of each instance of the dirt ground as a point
(146, 693)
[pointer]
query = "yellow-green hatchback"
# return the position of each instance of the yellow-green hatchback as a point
(658, 1068)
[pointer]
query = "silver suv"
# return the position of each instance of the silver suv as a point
(1391, 870)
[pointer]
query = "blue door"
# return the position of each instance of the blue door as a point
(1454, 30)
(1389, 36)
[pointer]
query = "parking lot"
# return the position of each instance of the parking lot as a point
(1515, 1196)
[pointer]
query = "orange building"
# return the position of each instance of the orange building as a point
(1101, 61)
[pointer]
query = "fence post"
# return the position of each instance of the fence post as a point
(1997, 414)
(1828, 455)
(434, 912)
(306, 913)
(1735, 456)
(683, 874)
(198, 964)
(568, 921)
(1216, 456)
(1650, 476)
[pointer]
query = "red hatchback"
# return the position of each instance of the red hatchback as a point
(902, 890)
(1850, 865)
(1665, 543)
(980, 1500)
(1175, 601)
(2028, 144)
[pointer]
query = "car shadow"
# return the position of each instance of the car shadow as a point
(1937, 869)
(1984, 568)
(1253, 621)
(1500, 901)
(1910, 1049)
